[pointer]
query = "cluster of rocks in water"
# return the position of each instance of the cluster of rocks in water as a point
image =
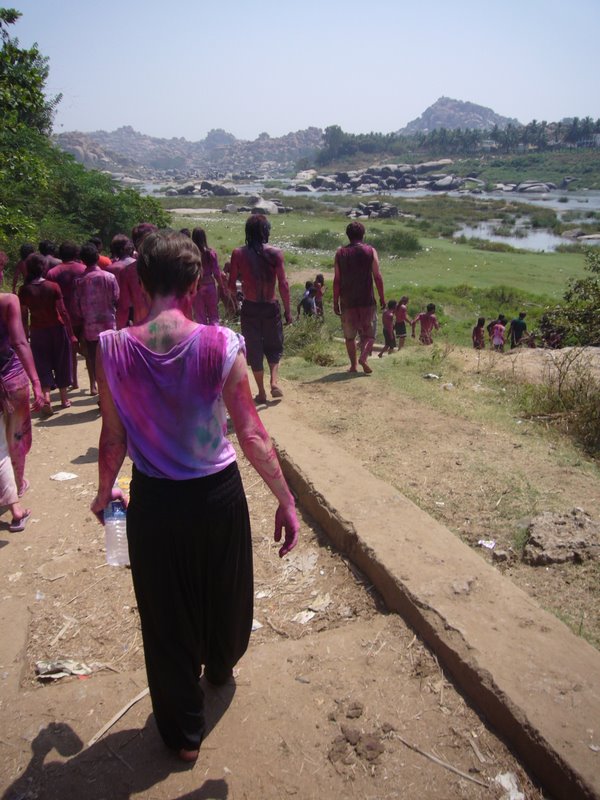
(388, 177)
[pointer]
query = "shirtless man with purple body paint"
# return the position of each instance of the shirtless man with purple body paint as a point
(259, 266)
(356, 267)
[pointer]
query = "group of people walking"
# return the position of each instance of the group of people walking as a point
(167, 375)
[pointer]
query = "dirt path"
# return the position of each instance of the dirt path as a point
(326, 699)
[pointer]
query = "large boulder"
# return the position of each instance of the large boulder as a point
(265, 207)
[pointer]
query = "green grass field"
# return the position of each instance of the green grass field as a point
(463, 281)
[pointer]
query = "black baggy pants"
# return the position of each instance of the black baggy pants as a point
(191, 562)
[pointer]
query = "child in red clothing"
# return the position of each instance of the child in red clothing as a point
(402, 318)
(319, 284)
(428, 321)
(478, 334)
(387, 318)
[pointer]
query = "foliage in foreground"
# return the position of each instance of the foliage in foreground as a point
(569, 397)
(310, 339)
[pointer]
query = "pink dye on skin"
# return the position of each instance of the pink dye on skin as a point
(428, 322)
(259, 278)
(131, 295)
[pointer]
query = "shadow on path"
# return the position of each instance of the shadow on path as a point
(119, 766)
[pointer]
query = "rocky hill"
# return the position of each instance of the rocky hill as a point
(220, 153)
(450, 114)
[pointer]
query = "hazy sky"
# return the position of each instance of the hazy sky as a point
(182, 67)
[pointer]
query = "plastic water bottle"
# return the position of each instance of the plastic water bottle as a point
(115, 530)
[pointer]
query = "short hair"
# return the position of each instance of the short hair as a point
(308, 285)
(35, 263)
(121, 245)
(403, 300)
(96, 241)
(522, 314)
(392, 304)
(185, 231)
(257, 230)
(199, 239)
(168, 263)
(89, 254)
(480, 322)
(26, 249)
(68, 251)
(430, 306)
(319, 278)
(47, 247)
(355, 231)
(139, 232)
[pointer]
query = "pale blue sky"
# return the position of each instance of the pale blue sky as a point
(182, 67)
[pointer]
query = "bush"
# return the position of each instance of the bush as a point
(569, 397)
(394, 242)
(310, 339)
(320, 240)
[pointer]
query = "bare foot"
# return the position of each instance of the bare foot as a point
(352, 369)
(366, 368)
(276, 391)
(188, 755)
(380, 355)
(260, 398)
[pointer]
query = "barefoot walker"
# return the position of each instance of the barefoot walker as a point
(356, 267)
(165, 385)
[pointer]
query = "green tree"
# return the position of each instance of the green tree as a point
(23, 75)
(577, 318)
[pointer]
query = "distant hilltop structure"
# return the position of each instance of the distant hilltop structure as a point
(451, 114)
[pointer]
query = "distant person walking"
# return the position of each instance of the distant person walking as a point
(356, 268)
(427, 321)
(516, 330)
(95, 300)
(387, 320)
(478, 334)
(402, 319)
(259, 267)
(206, 299)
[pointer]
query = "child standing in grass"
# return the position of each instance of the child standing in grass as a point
(498, 336)
(478, 334)
(428, 321)
(402, 318)
(387, 319)
(319, 284)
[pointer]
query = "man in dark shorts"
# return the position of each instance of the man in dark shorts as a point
(356, 267)
(259, 266)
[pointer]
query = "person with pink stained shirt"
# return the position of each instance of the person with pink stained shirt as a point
(356, 268)
(65, 274)
(95, 299)
(498, 336)
(206, 299)
(428, 321)
(133, 302)
(121, 251)
(478, 334)
(402, 319)
(17, 371)
(166, 386)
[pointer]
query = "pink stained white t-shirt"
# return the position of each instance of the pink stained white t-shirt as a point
(171, 404)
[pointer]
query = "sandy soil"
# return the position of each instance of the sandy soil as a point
(324, 703)
(483, 482)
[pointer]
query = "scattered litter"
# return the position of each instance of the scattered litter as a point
(63, 476)
(448, 386)
(489, 543)
(39, 595)
(256, 625)
(302, 679)
(320, 603)
(431, 376)
(14, 577)
(440, 503)
(61, 668)
(303, 617)
(508, 781)
(594, 747)
(262, 595)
